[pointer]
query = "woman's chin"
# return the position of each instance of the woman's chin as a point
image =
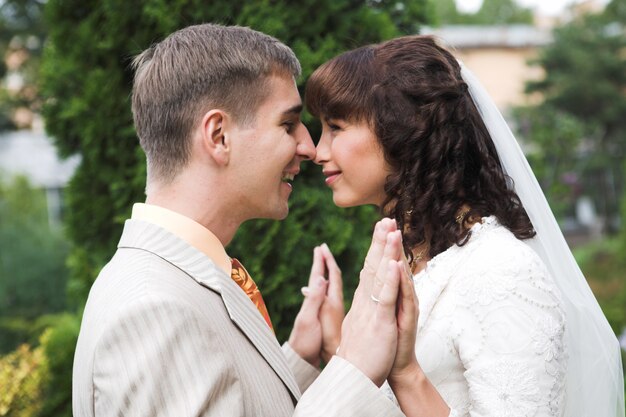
(344, 202)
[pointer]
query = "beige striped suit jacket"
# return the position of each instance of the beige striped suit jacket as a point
(165, 332)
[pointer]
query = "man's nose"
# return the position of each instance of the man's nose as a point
(306, 148)
(322, 151)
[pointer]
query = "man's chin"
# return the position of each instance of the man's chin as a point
(277, 214)
(283, 214)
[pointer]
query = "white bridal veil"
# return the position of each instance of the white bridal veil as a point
(594, 379)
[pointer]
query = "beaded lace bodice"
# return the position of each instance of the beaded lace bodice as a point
(491, 325)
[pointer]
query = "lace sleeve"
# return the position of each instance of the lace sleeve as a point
(510, 331)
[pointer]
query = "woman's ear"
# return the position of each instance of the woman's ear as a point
(215, 139)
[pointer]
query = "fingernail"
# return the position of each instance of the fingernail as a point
(321, 282)
(325, 246)
(305, 291)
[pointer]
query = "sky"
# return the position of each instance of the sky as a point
(546, 7)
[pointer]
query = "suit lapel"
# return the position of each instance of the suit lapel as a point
(143, 235)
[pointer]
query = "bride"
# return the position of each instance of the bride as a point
(507, 323)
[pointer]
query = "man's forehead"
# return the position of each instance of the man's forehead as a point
(293, 110)
(282, 99)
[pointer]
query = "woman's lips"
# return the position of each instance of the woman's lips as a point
(331, 176)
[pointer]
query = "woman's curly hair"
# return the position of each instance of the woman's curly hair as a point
(411, 93)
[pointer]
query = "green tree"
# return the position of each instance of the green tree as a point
(491, 12)
(87, 81)
(33, 274)
(21, 38)
(585, 82)
(498, 12)
(555, 155)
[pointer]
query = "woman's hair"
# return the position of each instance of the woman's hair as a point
(410, 92)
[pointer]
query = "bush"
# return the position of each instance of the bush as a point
(33, 274)
(58, 347)
(605, 269)
(22, 374)
(36, 379)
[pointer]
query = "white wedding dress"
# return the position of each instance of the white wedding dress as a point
(491, 328)
(506, 330)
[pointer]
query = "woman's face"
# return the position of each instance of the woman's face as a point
(353, 163)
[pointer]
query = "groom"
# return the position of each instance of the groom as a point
(173, 326)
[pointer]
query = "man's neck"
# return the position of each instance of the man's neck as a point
(204, 211)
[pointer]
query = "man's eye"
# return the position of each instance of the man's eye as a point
(289, 126)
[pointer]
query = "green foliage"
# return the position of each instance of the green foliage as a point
(58, 346)
(584, 91)
(604, 267)
(32, 262)
(87, 82)
(587, 49)
(407, 16)
(491, 12)
(556, 137)
(22, 373)
(616, 10)
(21, 39)
(36, 378)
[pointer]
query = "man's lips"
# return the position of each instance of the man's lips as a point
(331, 176)
(288, 177)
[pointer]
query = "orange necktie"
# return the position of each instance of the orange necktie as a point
(243, 279)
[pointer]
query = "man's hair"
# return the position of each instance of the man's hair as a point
(193, 70)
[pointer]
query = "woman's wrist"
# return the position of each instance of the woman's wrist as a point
(416, 395)
(411, 375)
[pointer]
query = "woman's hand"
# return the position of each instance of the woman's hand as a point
(407, 315)
(416, 395)
(370, 332)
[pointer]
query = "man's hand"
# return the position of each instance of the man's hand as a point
(306, 336)
(332, 311)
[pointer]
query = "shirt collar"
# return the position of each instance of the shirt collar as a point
(187, 229)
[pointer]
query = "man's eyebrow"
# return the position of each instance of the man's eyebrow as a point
(295, 110)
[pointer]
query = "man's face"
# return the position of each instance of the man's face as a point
(267, 153)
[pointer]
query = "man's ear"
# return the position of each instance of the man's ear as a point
(215, 140)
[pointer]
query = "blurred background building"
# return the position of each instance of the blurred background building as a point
(30, 153)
